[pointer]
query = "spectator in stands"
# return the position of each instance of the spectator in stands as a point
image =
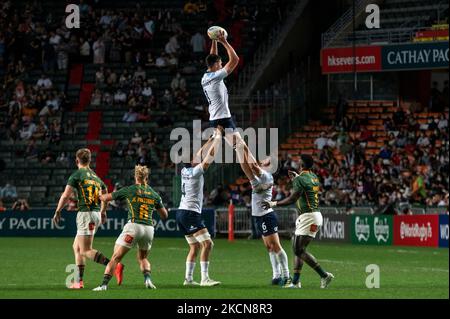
(178, 82)
(198, 44)
(27, 130)
(85, 50)
(149, 28)
(21, 205)
(131, 116)
(70, 127)
(8, 192)
(120, 97)
(172, 45)
(44, 82)
(99, 51)
(63, 160)
(139, 73)
(62, 54)
(321, 141)
(190, 7)
(96, 98)
(162, 61)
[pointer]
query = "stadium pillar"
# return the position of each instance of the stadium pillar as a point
(231, 221)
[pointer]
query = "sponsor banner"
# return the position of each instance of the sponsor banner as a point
(38, 223)
(372, 230)
(415, 56)
(343, 60)
(443, 231)
(416, 230)
(335, 228)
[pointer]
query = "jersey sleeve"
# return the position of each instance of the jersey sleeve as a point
(120, 194)
(297, 185)
(103, 186)
(73, 180)
(197, 171)
(158, 203)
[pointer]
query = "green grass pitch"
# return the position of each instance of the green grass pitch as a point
(35, 268)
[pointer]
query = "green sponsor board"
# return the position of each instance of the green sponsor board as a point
(372, 230)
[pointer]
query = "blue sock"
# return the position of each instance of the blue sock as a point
(146, 274)
(296, 278)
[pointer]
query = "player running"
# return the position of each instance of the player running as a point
(265, 219)
(142, 201)
(91, 213)
(189, 215)
(306, 193)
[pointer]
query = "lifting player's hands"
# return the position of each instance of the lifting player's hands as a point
(57, 218)
(221, 37)
(268, 204)
(292, 175)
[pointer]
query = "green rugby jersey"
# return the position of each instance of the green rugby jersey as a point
(89, 187)
(307, 184)
(142, 200)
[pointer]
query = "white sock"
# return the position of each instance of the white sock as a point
(204, 267)
(284, 264)
(190, 266)
(275, 265)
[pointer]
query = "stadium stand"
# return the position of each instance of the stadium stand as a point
(37, 29)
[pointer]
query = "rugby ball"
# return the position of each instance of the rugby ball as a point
(213, 32)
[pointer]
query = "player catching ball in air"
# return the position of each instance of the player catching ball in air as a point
(142, 201)
(91, 213)
(305, 193)
(216, 92)
(189, 214)
(265, 219)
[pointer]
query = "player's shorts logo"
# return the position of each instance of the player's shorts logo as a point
(129, 239)
(313, 228)
(91, 226)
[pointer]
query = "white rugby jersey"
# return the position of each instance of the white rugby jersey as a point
(192, 189)
(262, 192)
(217, 94)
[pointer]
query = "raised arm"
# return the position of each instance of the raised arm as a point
(211, 151)
(214, 49)
(233, 58)
(63, 200)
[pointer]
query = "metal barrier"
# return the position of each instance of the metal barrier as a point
(417, 211)
(437, 210)
(243, 220)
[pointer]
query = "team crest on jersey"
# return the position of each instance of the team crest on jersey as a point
(313, 228)
(91, 226)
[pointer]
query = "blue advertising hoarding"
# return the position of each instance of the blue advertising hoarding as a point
(415, 56)
(38, 223)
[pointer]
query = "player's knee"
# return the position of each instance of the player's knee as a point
(208, 244)
(299, 251)
(276, 247)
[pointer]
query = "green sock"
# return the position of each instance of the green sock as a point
(322, 273)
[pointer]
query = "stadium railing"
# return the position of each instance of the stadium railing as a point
(243, 220)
